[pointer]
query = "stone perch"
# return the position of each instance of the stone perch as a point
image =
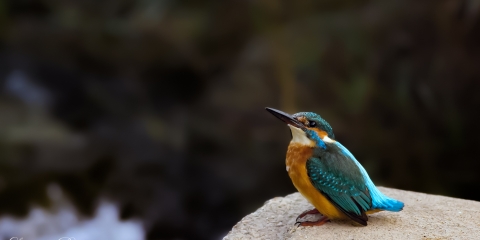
(424, 217)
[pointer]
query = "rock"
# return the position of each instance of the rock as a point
(424, 217)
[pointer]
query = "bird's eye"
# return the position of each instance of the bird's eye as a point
(312, 124)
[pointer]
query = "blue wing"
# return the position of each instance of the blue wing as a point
(379, 200)
(340, 180)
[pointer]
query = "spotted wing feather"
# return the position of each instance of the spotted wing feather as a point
(340, 180)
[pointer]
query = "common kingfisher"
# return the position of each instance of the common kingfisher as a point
(327, 174)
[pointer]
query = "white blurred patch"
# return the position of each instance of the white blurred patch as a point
(63, 221)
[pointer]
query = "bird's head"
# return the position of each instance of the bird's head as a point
(307, 128)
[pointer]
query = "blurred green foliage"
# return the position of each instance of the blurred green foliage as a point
(158, 105)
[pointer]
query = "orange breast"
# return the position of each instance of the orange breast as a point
(297, 156)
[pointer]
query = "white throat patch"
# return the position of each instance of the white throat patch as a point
(327, 139)
(299, 136)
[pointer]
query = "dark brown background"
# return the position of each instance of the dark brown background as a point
(159, 105)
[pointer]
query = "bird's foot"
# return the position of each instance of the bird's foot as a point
(308, 212)
(319, 222)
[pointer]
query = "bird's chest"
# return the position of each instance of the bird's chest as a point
(297, 156)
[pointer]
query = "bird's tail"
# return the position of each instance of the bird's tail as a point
(389, 204)
(379, 200)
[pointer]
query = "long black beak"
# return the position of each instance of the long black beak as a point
(287, 118)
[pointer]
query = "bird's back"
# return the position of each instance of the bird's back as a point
(379, 200)
(327, 174)
(335, 182)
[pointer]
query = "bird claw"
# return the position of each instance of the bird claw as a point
(308, 212)
(319, 222)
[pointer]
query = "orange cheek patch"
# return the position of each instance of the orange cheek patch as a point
(320, 133)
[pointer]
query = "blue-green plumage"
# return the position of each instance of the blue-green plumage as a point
(319, 122)
(335, 172)
(338, 178)
(379, 200)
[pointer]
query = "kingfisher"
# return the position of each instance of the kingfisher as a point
(327, 174)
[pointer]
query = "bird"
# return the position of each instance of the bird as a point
(327, 174)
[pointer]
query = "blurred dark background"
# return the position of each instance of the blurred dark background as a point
(158, 106)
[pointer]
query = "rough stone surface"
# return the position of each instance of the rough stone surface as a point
(424, 217)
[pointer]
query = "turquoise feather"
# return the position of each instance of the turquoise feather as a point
(379, 200)
(335, 172)
(338, 178)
